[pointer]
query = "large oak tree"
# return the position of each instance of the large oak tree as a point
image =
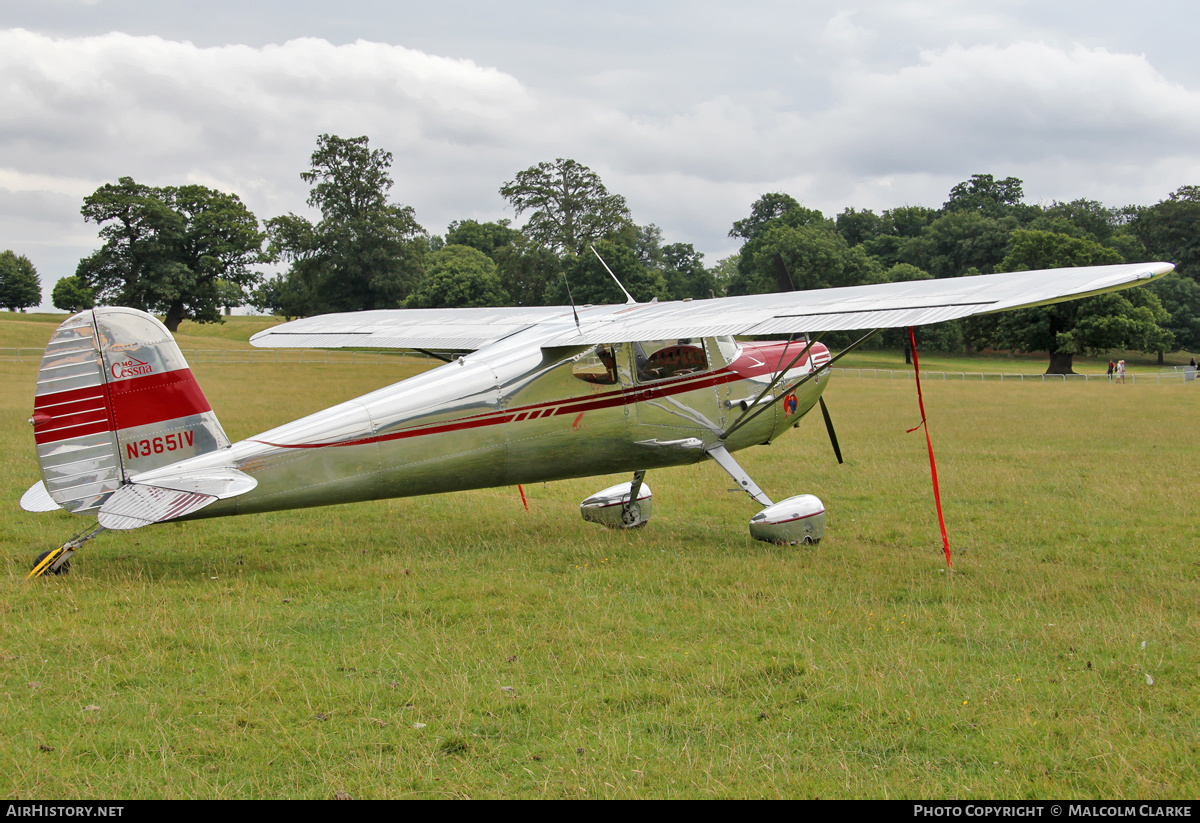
(569, 208)
(364, 252)
(20, 287)
(167, 249)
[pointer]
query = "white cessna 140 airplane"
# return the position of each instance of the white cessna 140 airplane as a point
(125, 435)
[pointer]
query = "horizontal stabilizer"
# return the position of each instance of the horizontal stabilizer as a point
(136, 505)
(219, 482)
(37, 499)
(171, 496)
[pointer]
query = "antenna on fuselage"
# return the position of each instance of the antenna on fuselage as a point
(628, 297)
(572, 301)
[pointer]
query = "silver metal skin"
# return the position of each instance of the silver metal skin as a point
(114, 398)
(510, 413)
(799, 519)
(547, 393)
(613, 509)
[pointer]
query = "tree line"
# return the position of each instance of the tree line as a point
(186, 251)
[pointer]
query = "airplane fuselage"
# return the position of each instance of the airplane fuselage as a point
(518, 413)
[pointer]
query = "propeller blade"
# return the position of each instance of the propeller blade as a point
(829, 425)
(783, 278)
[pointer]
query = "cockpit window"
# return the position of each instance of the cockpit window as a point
(729, 348)
(597, 366)
(660, 359)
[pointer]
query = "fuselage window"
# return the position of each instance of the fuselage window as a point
(597, 366)
(660, 359)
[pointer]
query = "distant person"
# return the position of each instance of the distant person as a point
(1112, 367)
(1121, 371)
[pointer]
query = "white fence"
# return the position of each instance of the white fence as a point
(1171, 375)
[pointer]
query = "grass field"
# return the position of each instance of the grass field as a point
(457, 646)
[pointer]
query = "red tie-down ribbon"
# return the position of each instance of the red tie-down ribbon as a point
(937, 496)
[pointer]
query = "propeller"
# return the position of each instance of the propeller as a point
(783, 278)
(829, 427)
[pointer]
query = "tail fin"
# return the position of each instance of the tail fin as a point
(114, 398)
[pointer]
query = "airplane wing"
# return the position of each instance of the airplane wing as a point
(887, 305)
(432, 329)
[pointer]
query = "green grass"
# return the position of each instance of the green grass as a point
(457, 646)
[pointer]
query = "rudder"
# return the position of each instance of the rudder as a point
(115, 397)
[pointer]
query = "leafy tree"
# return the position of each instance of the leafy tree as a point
(859, 227)
(1092, 216)
(458, 276)
(487, 237)
(647, 243)
(910, 221)
(752, 278)
(1129, 319)
(1032, 249)
(72, 294)
(230, 295)
(816, 256)
(364, 253)
(723, 273)
(526, 270)
(904, 272)
(1170, 230)
(957, 242)
(166, 249)
(20, 287)
(286, 296)
(590, 282)
(683, 269)
(882, 235)
(765, 209)
(986, 195)
(568, 204)
(1180, 297)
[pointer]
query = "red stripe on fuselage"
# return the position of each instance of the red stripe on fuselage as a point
(741, 369)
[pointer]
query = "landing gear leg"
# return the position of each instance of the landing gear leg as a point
(631, 512)
(58, 561)
(799, 519)
(721, 456)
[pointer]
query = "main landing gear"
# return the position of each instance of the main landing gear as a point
(799, 519)
(623, 506)
(58, 561)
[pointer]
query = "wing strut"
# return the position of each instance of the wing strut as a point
(755, 410)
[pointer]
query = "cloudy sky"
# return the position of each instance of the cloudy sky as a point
(690, 110)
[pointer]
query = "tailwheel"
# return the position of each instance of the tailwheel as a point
(58, 561)
(54, 561)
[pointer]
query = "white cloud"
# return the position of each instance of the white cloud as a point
(1023, 103)
(1078, 121)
